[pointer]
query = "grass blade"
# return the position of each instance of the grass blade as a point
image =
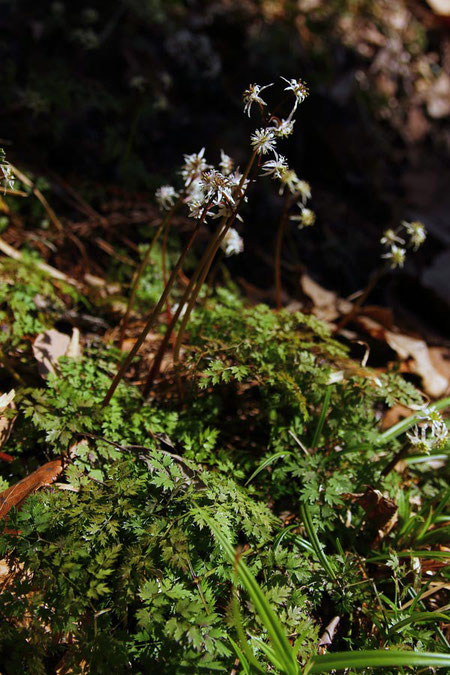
(267, 462)
(417, 617)
(282, 648)
(323, 412)
(306, 516)
(378, 658)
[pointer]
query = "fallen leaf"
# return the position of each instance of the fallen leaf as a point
(393, 415)
(433, 382)
(379, 509)
(49, 346)
(15, 495)
(6, 423)
(327, 304)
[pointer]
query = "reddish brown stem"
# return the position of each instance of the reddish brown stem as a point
(153, 316)
(278, 249)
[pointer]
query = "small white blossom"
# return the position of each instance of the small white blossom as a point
(6, 399)
(284, 128)
(252, 95)
(166, 196)
(232, 243)
(417, 233)
(432, 432)
(299, 89)
(196, 208)
(226, 163)
(275, 167)
(8, 175)
(390, 237)
(396, 256)
(194, 165)
(304, 190)
(306, 218)
(217, 186)
(263, 141)
(195, 191)
(289, 179)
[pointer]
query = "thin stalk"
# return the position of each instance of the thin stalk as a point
(202, 269)
(220, 235)
(155, 313)
(165, 341)
(165, 223)
(362, 298)
(164, 269)
(278, 248)
(136, 282)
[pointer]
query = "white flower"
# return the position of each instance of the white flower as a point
(299, 89)
(252, 95)
(6, 399)
(290, 180)
(217, 186)
(263, 141)
(417, 233)
(396, 255)
(194, 166)
(195, 191)
(304, 189)
(196, 208)
(8, 175)
(390, 237)
(284, 128)
(232, 243)
(306, 218)
(165, 196)
(275, 167)
(430, 421)
(226, 163)
(225, 211)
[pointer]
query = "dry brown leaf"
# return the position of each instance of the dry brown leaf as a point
(405, 346)
(49, 346)
(440, 7)
(15, 495)
(393, 415)
(327, 304)
(6, 425)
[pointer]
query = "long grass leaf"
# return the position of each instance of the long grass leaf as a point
(306, 516)
(378, 658)
(267, 462)
(323, 412)
(282, 648)
(417, 617)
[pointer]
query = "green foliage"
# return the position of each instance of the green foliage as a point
(119, 570)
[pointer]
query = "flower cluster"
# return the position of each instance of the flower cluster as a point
(211, 192)
(232, 243)
(6, 174)
(432, 432)
(396, 253)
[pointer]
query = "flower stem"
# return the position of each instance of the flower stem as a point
(154, 314)
(362, 298)
(140, 271)
(278, 248)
